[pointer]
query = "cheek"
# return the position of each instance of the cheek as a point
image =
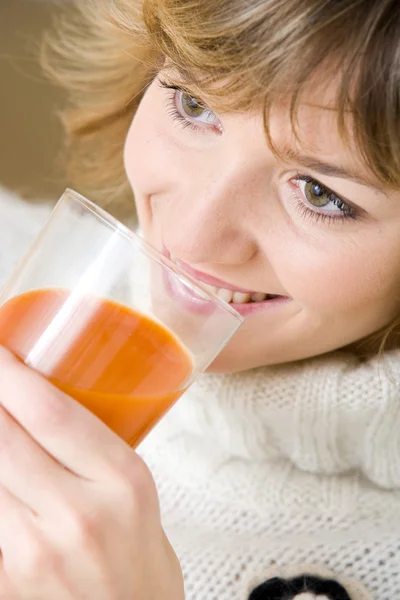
(341, 275)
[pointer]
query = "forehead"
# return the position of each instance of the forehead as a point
(313, 125)
(316, 112)
(313, 131)
(313, 128)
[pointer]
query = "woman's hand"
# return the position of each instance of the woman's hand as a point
(79, 513)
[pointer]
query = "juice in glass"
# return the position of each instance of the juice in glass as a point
(122, 365)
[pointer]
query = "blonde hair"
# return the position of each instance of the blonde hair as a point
(259, 51)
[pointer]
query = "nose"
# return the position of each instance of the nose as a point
(212, 222)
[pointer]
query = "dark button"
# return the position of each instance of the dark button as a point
(287, 589)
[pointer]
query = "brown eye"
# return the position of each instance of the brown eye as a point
(317, 194)
(195, 109)
(191, 106)
(320, 200)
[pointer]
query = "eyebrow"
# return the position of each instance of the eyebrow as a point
(331, 170)
(176, 73)
(181, 79)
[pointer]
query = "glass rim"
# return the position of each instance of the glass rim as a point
(111, 221)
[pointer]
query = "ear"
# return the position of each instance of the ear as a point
(303, 582)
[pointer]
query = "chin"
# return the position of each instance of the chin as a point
(232, 361)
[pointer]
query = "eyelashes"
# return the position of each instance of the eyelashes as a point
(308, 214)
(175, 115)
(344, 210)
(172, 110)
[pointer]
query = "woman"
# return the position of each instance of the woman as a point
(261, 141)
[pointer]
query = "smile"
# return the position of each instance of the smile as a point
(237, 297)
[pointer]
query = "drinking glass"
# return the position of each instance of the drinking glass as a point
(109, 319)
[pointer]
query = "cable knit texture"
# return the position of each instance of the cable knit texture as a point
(283, 466)
(277, 472)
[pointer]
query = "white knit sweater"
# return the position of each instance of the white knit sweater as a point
(284, 466)
(277, 473)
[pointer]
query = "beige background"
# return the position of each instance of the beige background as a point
(30, 134)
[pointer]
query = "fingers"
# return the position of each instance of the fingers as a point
(27, 471)
(28, 568)
(6, 588)
(15, 520)
(66, 430)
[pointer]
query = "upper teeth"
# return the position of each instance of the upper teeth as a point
(235, 297)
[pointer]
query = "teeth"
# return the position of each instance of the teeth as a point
(240, 298)
(231, 296)
(258, 297)
(226, 295)
(210, 288)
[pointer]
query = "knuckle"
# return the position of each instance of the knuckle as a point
(83, 531)
(43, 404)
(52, 412)
(134, 489)
(9, 441)
(6, 588)
(5, 430)
(37, 559)
(7, 361)
(82, 528)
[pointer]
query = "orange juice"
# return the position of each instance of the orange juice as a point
(123, 366)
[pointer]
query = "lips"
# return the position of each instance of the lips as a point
(226, 291)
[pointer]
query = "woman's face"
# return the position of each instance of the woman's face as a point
(312, 228)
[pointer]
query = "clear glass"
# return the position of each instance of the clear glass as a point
(109, 319)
